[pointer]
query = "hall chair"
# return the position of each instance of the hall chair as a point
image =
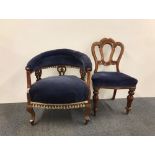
(60, 91)
(108, 79)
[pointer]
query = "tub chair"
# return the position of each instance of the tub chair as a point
(61, 91)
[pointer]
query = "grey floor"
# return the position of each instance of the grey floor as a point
(110, 120)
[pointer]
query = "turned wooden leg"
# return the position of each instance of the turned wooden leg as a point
(31, 111)
(130, 99)
(95, 100)
(114, 94)
(87, 113)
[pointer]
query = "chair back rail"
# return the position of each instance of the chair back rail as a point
(101, 44)
(61, 59)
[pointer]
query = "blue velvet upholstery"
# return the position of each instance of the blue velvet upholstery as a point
(59, 89)
(113, 79)
(60, 57)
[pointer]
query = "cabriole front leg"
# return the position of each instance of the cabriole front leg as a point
(87, 113)
(130, 98)
(31, 111)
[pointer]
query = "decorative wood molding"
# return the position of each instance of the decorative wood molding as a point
(61, 70)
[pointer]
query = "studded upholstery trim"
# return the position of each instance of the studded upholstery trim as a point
(59, 106)
(67, 66)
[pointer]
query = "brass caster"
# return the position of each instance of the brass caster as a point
(32, 122)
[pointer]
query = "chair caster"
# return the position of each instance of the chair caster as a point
(86, 120)
(32, 122)
(31, 111)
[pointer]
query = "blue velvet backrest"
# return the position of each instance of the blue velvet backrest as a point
(60, 57)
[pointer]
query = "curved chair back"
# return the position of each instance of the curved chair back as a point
(59, 57)
(110, 61)
(65, 92)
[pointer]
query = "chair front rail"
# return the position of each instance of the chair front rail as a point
(52, 106)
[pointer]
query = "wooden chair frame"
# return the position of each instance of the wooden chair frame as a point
(61, 70)
(110, 61)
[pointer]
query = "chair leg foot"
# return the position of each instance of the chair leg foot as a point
(95, 101)
(128, 110)
(31, 122)
(87, 113)
(114, 94)
(130, 98)
(87, 119)
(31, 111)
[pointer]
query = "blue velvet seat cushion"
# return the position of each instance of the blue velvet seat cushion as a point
(113, 79)
(59, 89)
(60, 57)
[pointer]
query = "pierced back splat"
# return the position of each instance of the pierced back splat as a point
(101, 44)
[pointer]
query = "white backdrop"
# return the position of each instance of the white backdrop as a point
(20, 40)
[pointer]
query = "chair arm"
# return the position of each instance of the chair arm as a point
(88, 77)
(28, 76)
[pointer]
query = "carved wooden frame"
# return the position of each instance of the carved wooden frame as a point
(61, 70)
(113, 45)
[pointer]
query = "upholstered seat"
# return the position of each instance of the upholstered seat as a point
(59, 89)
(113, 79)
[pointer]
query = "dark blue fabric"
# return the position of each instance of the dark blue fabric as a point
(60, 57)
(113, 79)
(59, 89)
